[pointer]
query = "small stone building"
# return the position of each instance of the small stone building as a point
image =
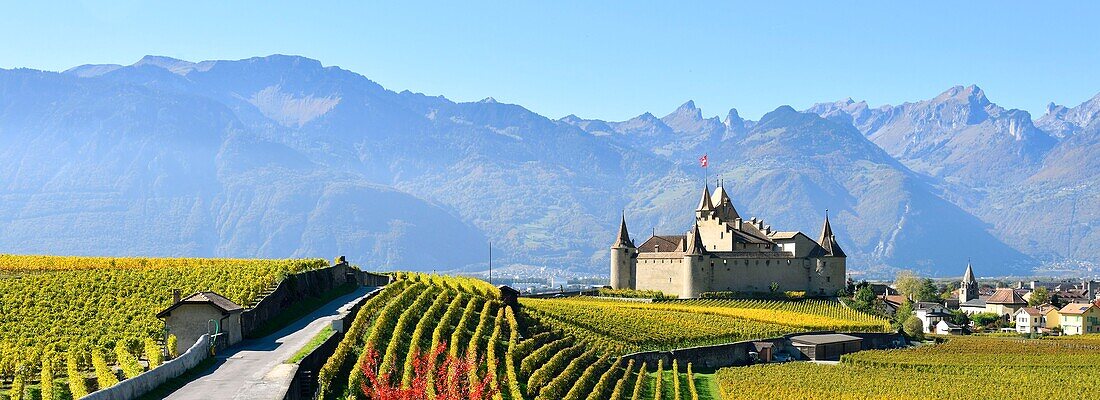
(201, 313)
(826, 346)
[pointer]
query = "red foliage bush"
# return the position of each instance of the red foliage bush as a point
(449, 379)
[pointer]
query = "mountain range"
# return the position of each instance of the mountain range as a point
(281, 156)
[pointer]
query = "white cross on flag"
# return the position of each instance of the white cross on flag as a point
(703, 161)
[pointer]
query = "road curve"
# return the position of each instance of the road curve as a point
(254, 369)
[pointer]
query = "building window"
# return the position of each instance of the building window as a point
(827, 278)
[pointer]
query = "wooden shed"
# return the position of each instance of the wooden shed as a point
(826, 346)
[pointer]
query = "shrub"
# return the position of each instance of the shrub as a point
(173, 346)
(635, 294)
(103, 372)
(45, 377)
(76, 378)
(914, 328)
(17, 385)
(130, 365)
(454, 371)
(152, 353)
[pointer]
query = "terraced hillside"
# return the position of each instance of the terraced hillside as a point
(549, 349)
(65, 318)
(636, 326)
(981, 367)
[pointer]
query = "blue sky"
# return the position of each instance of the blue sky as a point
(607, 60)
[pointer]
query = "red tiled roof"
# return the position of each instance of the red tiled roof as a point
(1005, 296)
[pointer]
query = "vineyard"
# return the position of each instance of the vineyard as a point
(63, 317)
(403, 335)
(982, 367)
(646, 326)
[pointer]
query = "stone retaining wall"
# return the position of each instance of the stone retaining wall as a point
(304, 385)
(139, 385)
(737, 353)
(295, 288)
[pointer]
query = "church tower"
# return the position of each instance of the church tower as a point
(624, 259)
(968, 290)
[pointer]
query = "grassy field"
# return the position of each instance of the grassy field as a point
(979, 367)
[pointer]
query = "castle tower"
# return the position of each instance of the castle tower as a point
(832, 267)
(968, 290)
(695, 256)
(624, 259)
(723, 206)
(828, 240)
(706, 207)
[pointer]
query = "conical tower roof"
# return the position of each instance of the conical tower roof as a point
(828, 240)
(723, 204)
(968, 277)
(705, 204)
(623, 239)
(695, 244)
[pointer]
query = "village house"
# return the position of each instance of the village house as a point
(1080, 318)
(1032, 319)
(1053, 319)
(930, 314)
(947, 328)
(1004, 302)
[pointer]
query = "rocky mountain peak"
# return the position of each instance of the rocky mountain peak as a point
(972, 94)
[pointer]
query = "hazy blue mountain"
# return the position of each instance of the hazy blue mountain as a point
(959, 136)
(1034, 183)
(93, 166)
(789, 167)
(281, 156)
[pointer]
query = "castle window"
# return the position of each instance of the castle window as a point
(828, 278)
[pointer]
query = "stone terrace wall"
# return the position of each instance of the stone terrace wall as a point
(737, 353)
(291, 290)
(139, 385)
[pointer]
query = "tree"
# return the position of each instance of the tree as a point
(959, 318)
(864, 300)
(903, 313)
(948, 290)
(913, 287)
(1040, 296)
(914, 328)
(985, 318)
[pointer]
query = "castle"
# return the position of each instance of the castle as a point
(724, 253)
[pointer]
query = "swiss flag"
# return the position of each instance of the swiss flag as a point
(703, 161)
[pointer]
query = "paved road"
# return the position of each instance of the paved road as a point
(254, 369)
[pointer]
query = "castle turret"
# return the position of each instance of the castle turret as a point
(695, 256)
(706, 207)
(968, 289)
(624, 259)
(828, 240)
(723, 206)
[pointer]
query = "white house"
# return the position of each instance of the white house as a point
(1030, 319)
(930, 314)
(947, 328)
